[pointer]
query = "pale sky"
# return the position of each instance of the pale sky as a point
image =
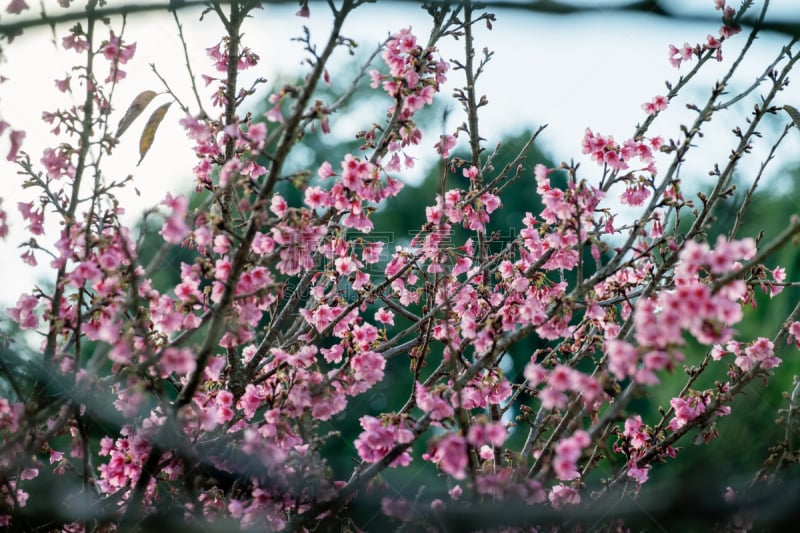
(569, 72)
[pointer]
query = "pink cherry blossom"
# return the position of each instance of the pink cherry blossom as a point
(657, 104)
(444, 145)
(115, 51)
(24, 312)
(562, 495)
(16, 137)
(450, 453)
(384, 316)
(175, 229)
(15, 7)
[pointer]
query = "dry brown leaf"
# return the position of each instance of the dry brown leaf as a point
(134, 110)
(149, 133)
(795, 114)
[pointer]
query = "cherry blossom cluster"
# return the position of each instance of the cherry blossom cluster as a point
(656, 105)
(604, 150)
(414, 75)
(219, 397)
(636, 438)
(760, 352)
(691, 306)
(117, 54)
(378, 438)
(11, 494)
(729, 28)
(220, 54)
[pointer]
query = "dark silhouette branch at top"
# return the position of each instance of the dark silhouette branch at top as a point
(551, 7)
(15, 28)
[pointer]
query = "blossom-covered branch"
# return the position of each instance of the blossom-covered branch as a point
(230, 394)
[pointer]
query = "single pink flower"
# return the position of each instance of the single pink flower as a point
(16, 137)
(445, 144)
(15, 7)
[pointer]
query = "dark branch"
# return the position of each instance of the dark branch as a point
(548, 7)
